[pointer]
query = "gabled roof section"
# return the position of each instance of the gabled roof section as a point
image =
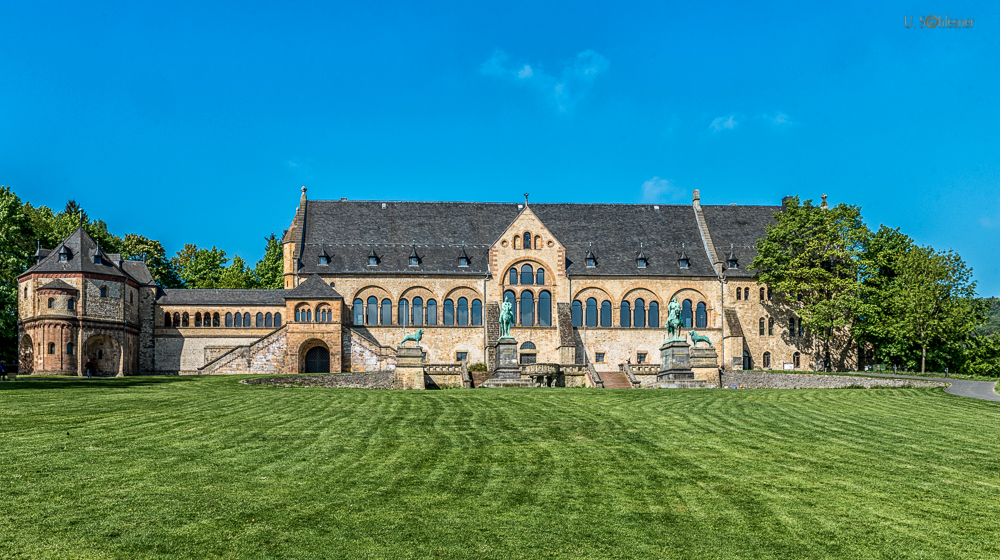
(314, 287)
(351, 229)
(80, 249)
(740, 227)
(59, 286)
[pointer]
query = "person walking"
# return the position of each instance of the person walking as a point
(88, 368)
(3, 371)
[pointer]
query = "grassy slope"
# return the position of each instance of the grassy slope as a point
(206, 467)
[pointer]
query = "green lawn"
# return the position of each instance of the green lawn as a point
(210, 468)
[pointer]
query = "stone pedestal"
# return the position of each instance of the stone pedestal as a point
(705, 363)
(508, 371)
(675, 361)
(409, 367)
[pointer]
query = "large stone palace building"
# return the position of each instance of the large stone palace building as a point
(588, 283)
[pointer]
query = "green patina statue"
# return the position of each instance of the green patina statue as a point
(696, 338)
(506, 319)
(674, 321)
(415, 337)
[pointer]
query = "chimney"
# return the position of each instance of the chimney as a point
(697, 197)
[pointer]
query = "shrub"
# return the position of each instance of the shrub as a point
(479, 366)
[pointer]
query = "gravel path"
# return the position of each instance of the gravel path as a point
(768, 380)
(982, 390)
(378, 380)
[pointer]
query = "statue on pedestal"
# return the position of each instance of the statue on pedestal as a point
(506, 319)
(674, 320)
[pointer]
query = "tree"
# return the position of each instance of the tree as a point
(879, 268)
(238, 276)
(137, 247)
(199, 268)
(270, 270)
(14, 259)
(933, 300)
(981, 355)
(813, 253)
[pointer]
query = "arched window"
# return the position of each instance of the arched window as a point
(166, 319)
(760, 326)
(70, 303)
(591, 316)
(527, 308)
(577, 313)
(544, 309)
(403, 313)
(739, 294)
(52, 303)
(463, 312)
(770, 294)
(238, 320)
(639, 314)
(104, 291)
(791, 326)
(517, 241)
(605, 313)
(477, 312)
(177, 319)
(701, 316)
(686, 313)
(762, 294)
(277, 320)
(796, 359)
(512, 280)
(767, 360)
(386, 313)
(197, 319)
(432, 312)
(298, 316)
(802, 330)
(260, 319)
(540, 277)
(229, 318)
(625, 316)
(538, 242)
(527, 275)
(770, 326)
(215, 319)
(418, 311)
(449, 312)
(268, 319)
(527, 240)
(654, 314)
(359, 312)
(246, 319)
(130, 297)
(185, 319)
(69, 348)
(372, 318)
(746, 294)
(52, 348)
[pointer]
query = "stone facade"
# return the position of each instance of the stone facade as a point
(590, 284)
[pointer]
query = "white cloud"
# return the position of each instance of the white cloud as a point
(563, 91)
(660, 190)
(724, 123)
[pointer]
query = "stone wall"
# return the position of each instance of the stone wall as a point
(362, 352)
(264, 356)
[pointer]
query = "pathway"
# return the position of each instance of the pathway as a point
(982, 390)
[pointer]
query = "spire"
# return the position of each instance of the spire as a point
(525, 199)
(824, 205)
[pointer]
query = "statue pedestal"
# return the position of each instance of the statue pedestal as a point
(675, 361)
(409, 367)
(705, 363)
(508, 371)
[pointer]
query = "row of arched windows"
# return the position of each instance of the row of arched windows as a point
(70, 303)
(418, 313)
(796, 360)
(69, 348)
(527, 276)
(525, 241)
(304, 314)
(635, 314)
(744, 294)
(795, 328)
(209, 319)
(526, 311)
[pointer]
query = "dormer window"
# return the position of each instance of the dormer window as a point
(641, 262)
(640, 258)
(324, 260)
(414, 258)
(97, 258)
(683, 261)
(372, 257)
(732, 262)
(64, 254)
(463, 261)
(591, 262)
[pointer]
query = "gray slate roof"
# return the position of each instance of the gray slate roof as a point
(58, 284)
(222, 297)
(349, 230)
(313, 287)
(81, 248)
(741, 227)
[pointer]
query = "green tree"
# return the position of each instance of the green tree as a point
(981, 355)
(812, 254)
(270, 269)
(15, 226)
(199, 268)
(238, 276)
(933, 301)
(879, 267)
(137, 247)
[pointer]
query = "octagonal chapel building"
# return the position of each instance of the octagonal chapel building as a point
(588, 283)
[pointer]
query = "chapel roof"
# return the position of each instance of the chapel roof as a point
(80, 249)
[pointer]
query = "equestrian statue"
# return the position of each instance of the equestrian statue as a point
(674, 321)
(506, 319)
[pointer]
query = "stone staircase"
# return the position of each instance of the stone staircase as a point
(615, 380)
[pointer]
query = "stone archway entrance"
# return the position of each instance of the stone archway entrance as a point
(26, 361)
(104, 354)
(317, 360)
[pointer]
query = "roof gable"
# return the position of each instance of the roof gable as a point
(313, 287)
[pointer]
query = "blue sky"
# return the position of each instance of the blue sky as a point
(198, 123)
